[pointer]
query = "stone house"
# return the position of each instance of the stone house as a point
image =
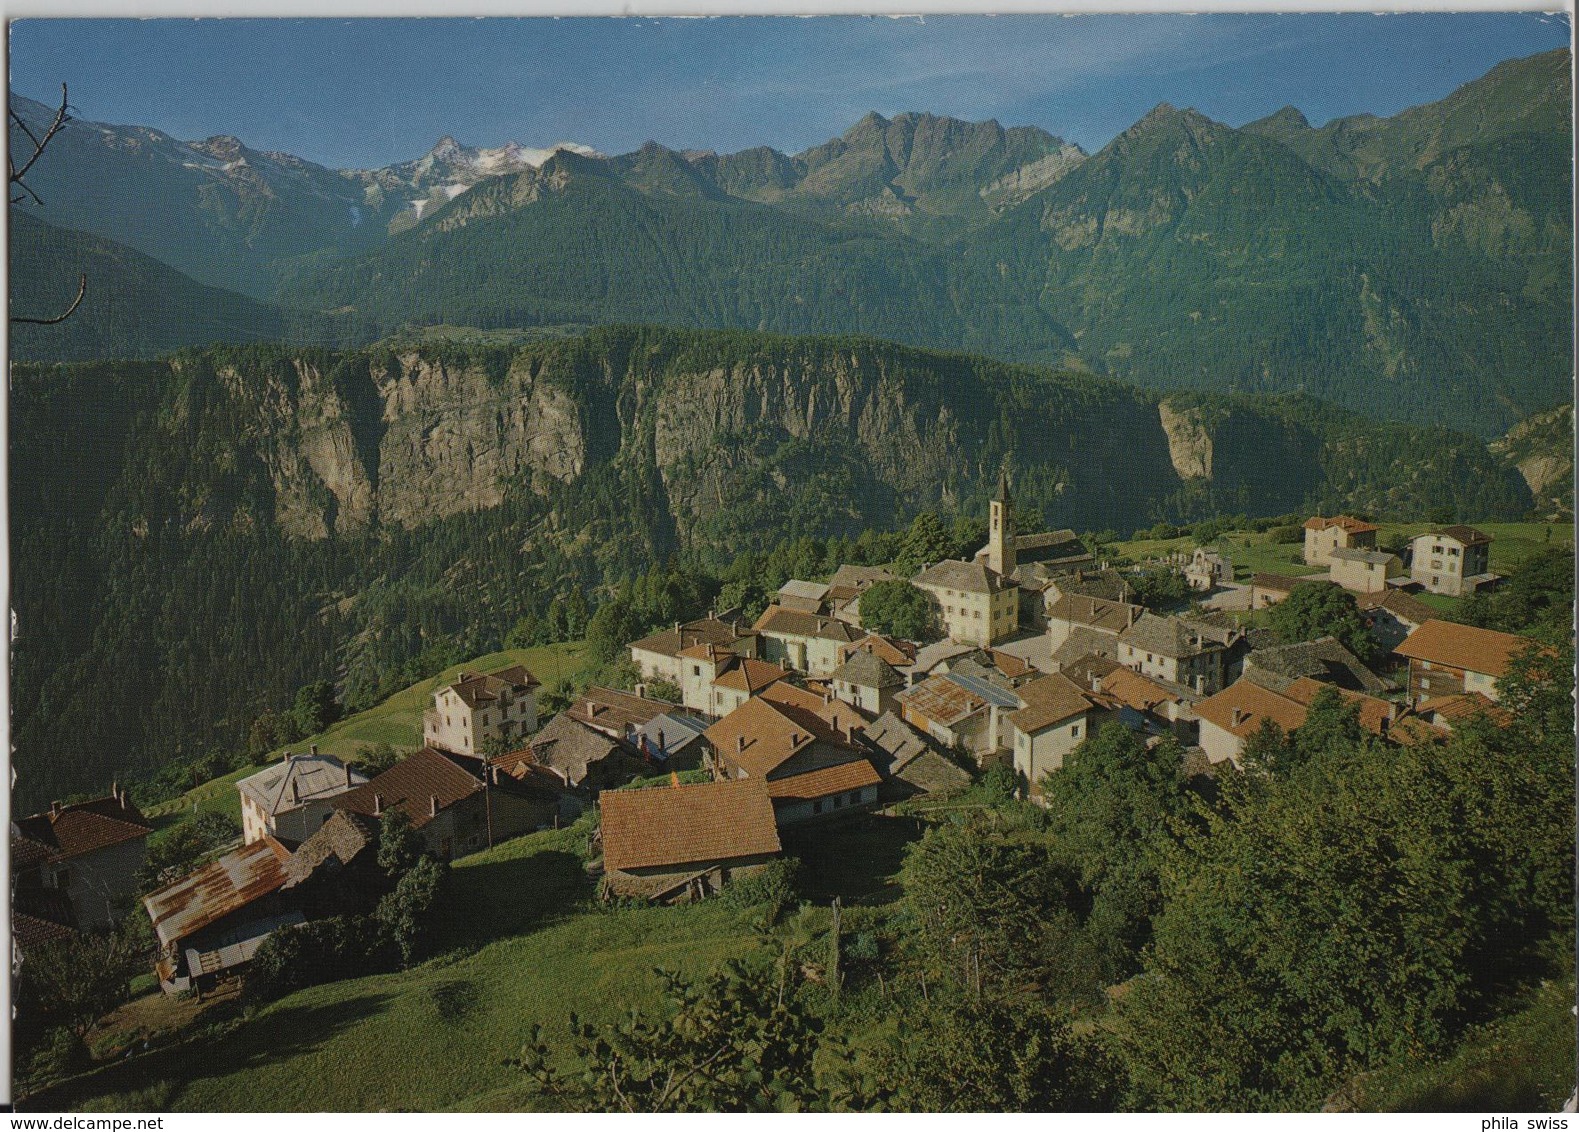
(907, 763)
(716, 681)
(499, 706)
(868, 682)
(1324, 660)
(1323, 536)
(1451, 560)
(1447, 659)
(658, 656)
(811, 768)
(460, 805)
(1179, 650)
(804, 642)
(1233, 715)
(677, 844)
(1392, 615)
(977, 604)
(1054, 718)
(1363, 571)
(1269, 589)
(290, 800)
(81, 860)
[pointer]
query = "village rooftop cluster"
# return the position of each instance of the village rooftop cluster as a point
(800, 718)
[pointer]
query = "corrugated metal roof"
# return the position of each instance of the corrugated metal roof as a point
(217, 889)
(1000, 697)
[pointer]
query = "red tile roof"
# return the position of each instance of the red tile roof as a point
(684, 825)
(1048, 701)
(1463, 646)
(1466, 705)
(833, 711)
(823, 782)
(1353, 526)
(84, 827)
(412, 785)
(749, 676)
(759, 736)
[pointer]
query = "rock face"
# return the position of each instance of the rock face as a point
(405, 443)
(735, 435)
(1189, 442)
(1540, 447)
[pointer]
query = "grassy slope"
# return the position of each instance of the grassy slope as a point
(1251, 551)
(398, 720)
(433, 1037)
(1520, 1062)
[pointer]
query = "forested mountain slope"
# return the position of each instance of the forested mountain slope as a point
(242, 521)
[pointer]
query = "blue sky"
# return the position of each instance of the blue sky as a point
(364, 93)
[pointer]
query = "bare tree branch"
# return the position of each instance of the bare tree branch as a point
(82, 289)
(39, 145)
(17, 179)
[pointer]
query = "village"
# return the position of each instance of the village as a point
(797, 720)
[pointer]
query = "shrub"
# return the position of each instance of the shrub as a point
(321, 951)
(774, 886)
(1288, 534)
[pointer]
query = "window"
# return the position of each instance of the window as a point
(696, 670)
(816, 806)
(1452, 552)
(1075, 731)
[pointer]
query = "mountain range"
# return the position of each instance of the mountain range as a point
(1416, 267)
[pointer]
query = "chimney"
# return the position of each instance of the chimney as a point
(313, 749)
(740, 745)
(1239, 716)
(296, 791)
(493, 773)
(433, 805)
(378, 805)
(641, 690)
(54, 809)
(348, 783)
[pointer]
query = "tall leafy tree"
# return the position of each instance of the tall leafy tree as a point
(728, 1043)
(1321, 609)
(899, 609)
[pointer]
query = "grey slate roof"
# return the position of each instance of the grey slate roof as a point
(680, 729)
(1324, 659)
(344, 837)
(1083, 642)
(810, 591)
(297, 780)
(1353, 554)
(968, 577)
(907, 762)
(868, 671)
(1174, 636)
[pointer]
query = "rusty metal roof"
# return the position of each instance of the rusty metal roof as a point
(237, 879)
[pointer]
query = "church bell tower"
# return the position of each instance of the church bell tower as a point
(1000, 535)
